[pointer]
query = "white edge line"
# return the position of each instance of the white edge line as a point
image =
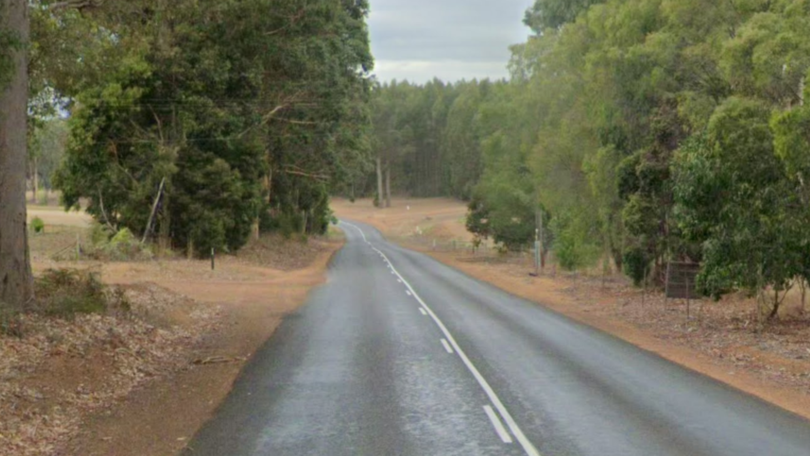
(447, 347)
(358, 229)
(528, 447)
(423, 311)
(496, 423)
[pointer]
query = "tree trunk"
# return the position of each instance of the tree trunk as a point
(255, 229)
(16, 280)
(388, 185)
(775, 309)
(380, 193)
(165, 238)
(34, 180)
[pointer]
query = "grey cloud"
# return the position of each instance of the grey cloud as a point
(420, 39)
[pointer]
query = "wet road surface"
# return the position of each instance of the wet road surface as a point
(399, 354)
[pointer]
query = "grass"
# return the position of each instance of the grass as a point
(65, 293)
(56, 239)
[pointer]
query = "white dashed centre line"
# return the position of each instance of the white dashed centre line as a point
(527, 445)
(423, 311)
(447, 346)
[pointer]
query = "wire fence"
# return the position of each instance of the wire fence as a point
(487, 252)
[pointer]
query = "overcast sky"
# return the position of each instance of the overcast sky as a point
(450, 39)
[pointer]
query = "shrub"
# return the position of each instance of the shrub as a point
(65, 293)
(635, 264)
(119, 246)
(290, 224)
(38, 225)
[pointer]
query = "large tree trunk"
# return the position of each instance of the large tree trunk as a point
(388, 185)
(380, 191)
(16, 281)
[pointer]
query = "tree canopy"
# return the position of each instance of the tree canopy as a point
(230, 114)
(650, 130)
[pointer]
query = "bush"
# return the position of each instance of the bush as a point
(38, 225)
(289, 224)
(573, 243)
(100, 234)
(117, 246)
(636, 265)
(65, 293)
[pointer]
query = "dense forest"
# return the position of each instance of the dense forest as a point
(194, 123)
(643, 131)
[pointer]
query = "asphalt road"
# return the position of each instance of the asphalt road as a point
(400, 355)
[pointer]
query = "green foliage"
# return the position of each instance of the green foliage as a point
(122, 245)
(9, 43)
(636, 264)
(546, 14)
(46, 149)
(791, 130)
(217, 114)
(736, 199)
(37, 225)
(571, 246)
(477, 220)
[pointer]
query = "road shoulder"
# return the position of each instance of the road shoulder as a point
(161, 417)
(555, 294)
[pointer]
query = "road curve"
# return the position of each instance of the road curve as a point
(400, 355)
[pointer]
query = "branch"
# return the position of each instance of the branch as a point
(293, 19)
(103, 212)
(265, 119)
(318, 177)
(296, 122)
(75, 4)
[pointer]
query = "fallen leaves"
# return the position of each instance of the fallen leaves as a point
(63, 370)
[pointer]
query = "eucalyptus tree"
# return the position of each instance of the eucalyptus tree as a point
(16, 280)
